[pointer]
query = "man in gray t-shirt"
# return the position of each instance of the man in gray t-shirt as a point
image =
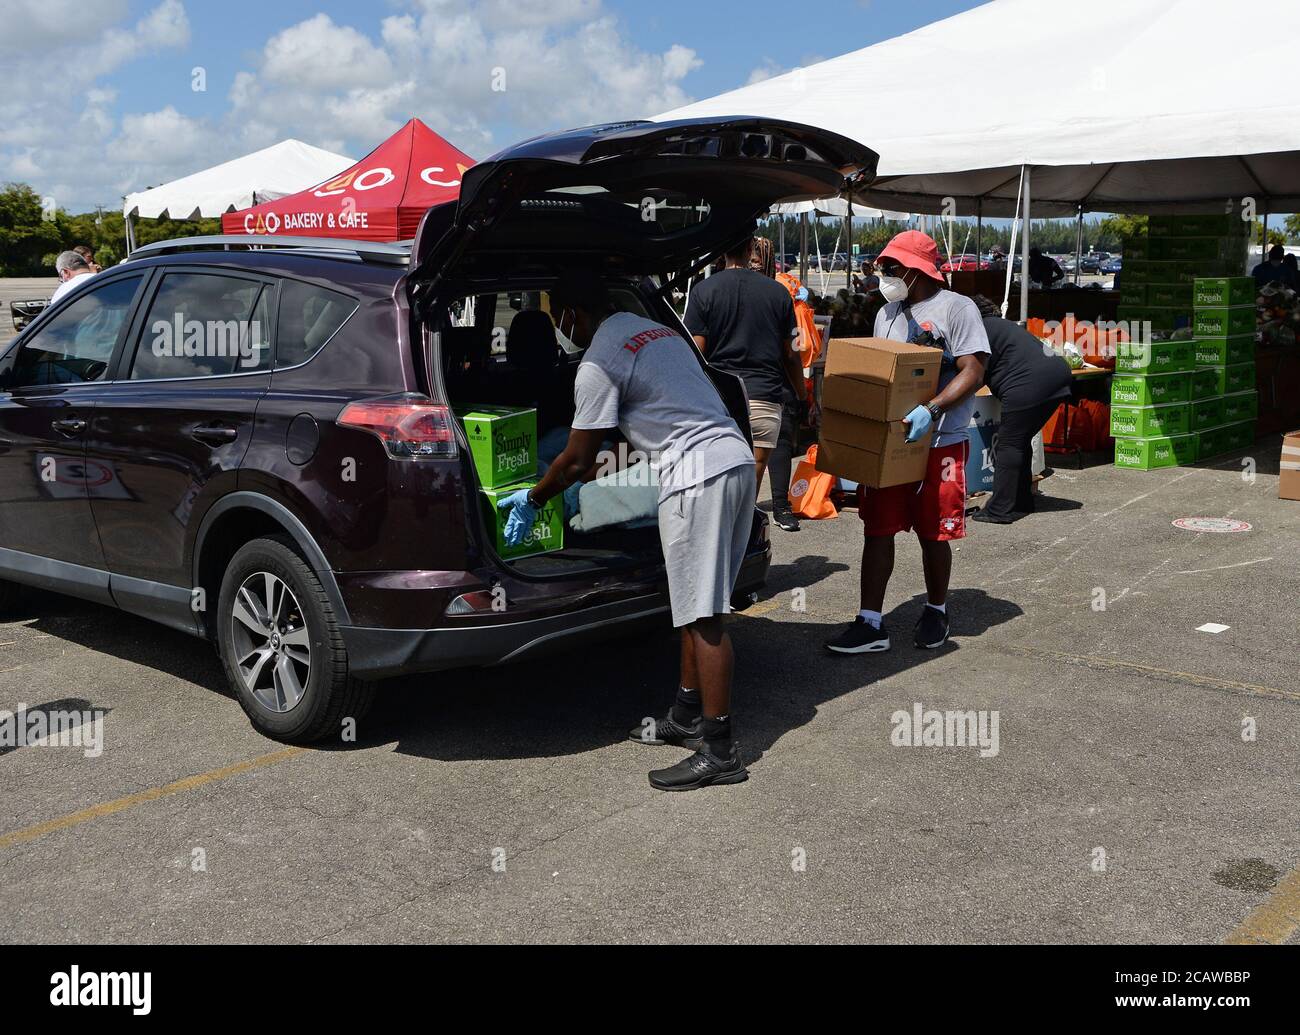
(647, 380)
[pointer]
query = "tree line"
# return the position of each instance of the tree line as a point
(32, 234)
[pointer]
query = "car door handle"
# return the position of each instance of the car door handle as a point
(215, 434)
(70, 426)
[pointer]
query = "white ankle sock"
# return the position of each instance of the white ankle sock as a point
(870, 617)
(941, 608)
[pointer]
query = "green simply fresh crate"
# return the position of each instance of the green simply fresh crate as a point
(1150, 390)
(1144, 454)
(1150, 421)
(503, 443)
(546, 534)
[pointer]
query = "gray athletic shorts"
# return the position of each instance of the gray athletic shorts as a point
(705, 530)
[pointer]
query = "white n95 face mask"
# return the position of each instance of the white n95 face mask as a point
(894, 289)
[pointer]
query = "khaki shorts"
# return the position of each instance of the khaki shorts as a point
(764, 423)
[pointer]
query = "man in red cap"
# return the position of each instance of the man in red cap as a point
(919, 308)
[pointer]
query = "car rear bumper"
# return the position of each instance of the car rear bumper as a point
(380, 653)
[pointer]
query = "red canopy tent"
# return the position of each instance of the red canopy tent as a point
(381, 198)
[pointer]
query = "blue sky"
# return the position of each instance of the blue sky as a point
(343, 75)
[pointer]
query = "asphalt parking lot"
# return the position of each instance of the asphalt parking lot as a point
(1123, 803)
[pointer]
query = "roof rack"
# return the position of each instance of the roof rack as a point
(398, 254)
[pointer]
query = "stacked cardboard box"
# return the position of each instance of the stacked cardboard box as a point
(1151, 408)
(1161, 266)
(1224, 326)
(503, 446)
(870, 385)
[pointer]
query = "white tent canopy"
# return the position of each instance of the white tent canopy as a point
(283, 168)
(832, 207)
(1119, 105)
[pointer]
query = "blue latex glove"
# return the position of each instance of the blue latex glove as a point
(522, 517)
(919, 422)
(571, 500)
(802, 294)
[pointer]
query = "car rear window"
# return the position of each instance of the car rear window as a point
(309, 317)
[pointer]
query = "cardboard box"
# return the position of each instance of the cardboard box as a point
(879, 379)
(1206, 384)
(1206, 414)
(1156, 357)
(1132, 294)
(874, 453)
(1215, 224)
(1239, 377)
(1178, 296)
(1145, 454)
(547, 533)
(1239, 436)
(1150, 421)
(1224, 322)
(1288, 481)
(1150, 390)
(1223, 292)
(1240, 406)
(503, 443)
(1224, 352)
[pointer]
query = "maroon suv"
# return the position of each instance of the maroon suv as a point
(304, 496)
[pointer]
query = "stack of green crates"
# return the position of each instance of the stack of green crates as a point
(1224, 325)
(1151, 404)
(1161, 267)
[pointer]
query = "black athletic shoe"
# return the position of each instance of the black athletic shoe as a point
(984, 515)
(786, 520)
(861, 637)
(932, 629)
(700, 770)
(668, 730)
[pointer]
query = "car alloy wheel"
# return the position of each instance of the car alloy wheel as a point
(272, 644)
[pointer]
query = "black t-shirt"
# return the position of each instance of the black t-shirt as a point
(1022, 372)
(747, 321)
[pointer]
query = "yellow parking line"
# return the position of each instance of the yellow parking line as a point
(107, 808)
(1275, 919)
(1212, 682)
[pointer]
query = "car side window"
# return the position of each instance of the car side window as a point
(76, 345)
(204, 325)
(309, 317)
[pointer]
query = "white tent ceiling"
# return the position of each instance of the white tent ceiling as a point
(1118, 105)
(283, 168)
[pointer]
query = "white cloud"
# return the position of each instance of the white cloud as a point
(482, 74)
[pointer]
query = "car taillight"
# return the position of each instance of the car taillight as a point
(411, 427)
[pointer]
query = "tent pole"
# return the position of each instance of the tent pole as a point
(803, 247)
(1024, 255)
(1263, 237)
(979, 232)
(1078, 248)
(848, 248)
(781, 242)
(130, 234)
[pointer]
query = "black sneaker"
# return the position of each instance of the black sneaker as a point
(861, 637)
(932, 629)
(700, 770)
(786, 520)
(658, 732)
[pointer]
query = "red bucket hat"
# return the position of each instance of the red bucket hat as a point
(916, 251)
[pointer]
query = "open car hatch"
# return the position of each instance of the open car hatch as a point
(648, 195)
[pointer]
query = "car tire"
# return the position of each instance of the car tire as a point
(9, 594)
(279, 641)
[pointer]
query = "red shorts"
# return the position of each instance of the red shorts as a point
(937, 512)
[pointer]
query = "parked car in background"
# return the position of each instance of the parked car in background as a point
(1112, 265)
(308, 501)
(24, 311)
(965, 263)
(1089, 264)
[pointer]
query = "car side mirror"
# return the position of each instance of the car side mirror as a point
(6, 371)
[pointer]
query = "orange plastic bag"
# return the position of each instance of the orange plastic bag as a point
(810, 489)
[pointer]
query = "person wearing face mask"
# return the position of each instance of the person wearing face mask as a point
(646, 380)
(920, 309)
